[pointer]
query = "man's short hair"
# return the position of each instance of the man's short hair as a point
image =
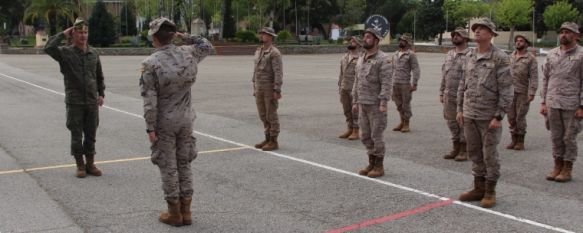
(165, 33)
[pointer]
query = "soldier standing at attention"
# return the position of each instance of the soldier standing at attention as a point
(267, 81)
(452, 73)
(524, 70)
(484, 96)
(165, 85)
(371, 92)
(345, 84)
(84, 92)
(406, 74)
(562, 99)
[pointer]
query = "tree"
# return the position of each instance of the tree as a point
(49, 11)
(430, 19)
(229, 23)
(11, 12)
(460, 12)
(558, 13)
(512, 13)
(128, 19)
(101, 26)
(354, 11)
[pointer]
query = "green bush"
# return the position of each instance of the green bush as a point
(283, 35)
(246, 36)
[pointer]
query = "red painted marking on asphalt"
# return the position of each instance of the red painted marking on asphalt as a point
(392, 217)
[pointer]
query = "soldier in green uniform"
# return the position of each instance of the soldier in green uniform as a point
(84, 92)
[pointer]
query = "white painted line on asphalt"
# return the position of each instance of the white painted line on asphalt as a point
(402, 187)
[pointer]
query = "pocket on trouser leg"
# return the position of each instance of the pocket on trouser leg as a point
(156, 154)
(193, 152)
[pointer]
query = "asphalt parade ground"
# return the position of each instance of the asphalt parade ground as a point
(309, 185)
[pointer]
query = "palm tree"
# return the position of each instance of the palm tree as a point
(49, 11)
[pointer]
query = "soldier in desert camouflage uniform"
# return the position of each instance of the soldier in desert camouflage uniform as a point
(406, 74)
(345, 84)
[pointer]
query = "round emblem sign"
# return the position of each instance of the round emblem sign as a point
(379, 23)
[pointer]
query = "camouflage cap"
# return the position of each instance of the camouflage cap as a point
(570, 26)
(374, 32)
(355, 40)
(406, 37)
(486, 22)
(80, 23)
(268, 31)
(155, 25)
(462, 32)
(524, 38)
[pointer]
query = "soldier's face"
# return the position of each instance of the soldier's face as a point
(483, 34)
(369, 41)
(520, 43)
(457, 39)
(265, 38)
(402, 43)
(80, 35)
(567, 37)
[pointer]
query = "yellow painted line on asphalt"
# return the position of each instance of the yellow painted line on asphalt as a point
(110, 161)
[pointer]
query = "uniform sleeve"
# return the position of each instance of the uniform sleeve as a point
(355, 85)
(386, 78)
(277, 66)
(52, 47)
(581, 83)
(415, 69)
(201, 46)
(341, 71)
(442, 86)
(149, 92)
(505, 88)
(461, 89)
(100, 79)
(533, 79)
(546, 74)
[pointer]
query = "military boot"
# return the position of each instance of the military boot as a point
(477, 193)
(354, 135)
(454, 151)
(519, 142)
(405, 127)
(80, 173)
(399, 126)
(91, 169)
(346, 134)
(378, 170)
(173, 216)
(463, 155)
(489, 199)
(513, 143)
(185, 210)
(565, 174)
(271, 145)
(367, 169)
(556, 170)
(263, 143)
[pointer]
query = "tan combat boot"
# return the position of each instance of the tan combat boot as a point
(173, 216)
(271, 145)
(489, 199)
(477, 193)
(565, 174)
(346, 134)
(556, 170)
(367, 169)
(378, 170)
(263, 143)
(463, 155)
(453, 153)
(405, 128)
(354, 135)
(399, 126)
(519, 142)
(513, 143)
(91, 169)
(80, 173)
(185, 210)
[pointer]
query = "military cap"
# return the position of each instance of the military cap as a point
(80, 23)
(462, 32)
(524, 38)
(570, 26)
(406, 37)
(486, 22)
(157, 23)
(349, 39)
(268, 31)
(374, 32)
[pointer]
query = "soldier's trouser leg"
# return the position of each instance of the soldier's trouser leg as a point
(481, 147)
(450, 113)
(457, 131)
(185, 152)
(267, 108)
(373, 123)
(164, 155)
(346, 101)
(91, 122)
(75, 121)
(517, 114)
(564, 129)
(402, 96)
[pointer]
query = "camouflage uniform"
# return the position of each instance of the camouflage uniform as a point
(167, 77)
(84, 84)
(405, 74)
(267, 79)
(345, 84)
(452, 73)
(485, 92)
(524, 72)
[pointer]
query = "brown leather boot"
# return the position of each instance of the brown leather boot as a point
(519, 142)
(91, 169)
(80, 173)
(185, 210)
(556, 170)
(367, 169)
(173, 216)
(453, 153)
(463, 155)
(405, 128)
(271, 145)
(565, 174)
(489, 199)
(354, 135)
(347, 133)
(477, 193)
(378, 170)
(513, 143)
(399, 126)
(263, 143)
